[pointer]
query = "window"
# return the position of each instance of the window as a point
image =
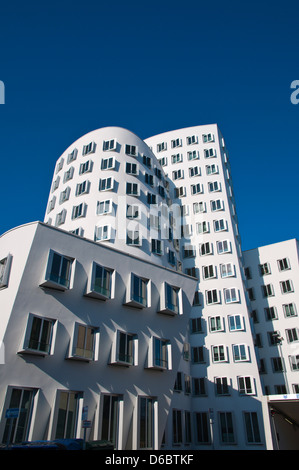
(109, 145)
(133, 211)
(188, 251)
(289, 310)
(208, 138)
(197, 354)
(191, 140)
(194, 171)
(212, 297)
(220, 225)
(72, 156)
(58, 272)
(240, 352)
(180, 192)
(84, 343)
(110, 418)
(205, 249)
(283, 264)
(176, 143)
(193, 272)
(147, 422)
(226, 427)
(125, 349)
(202, 227)
(235, 323)
(64, 195)
(227, 270)
(223, 246)
(178, 174)
(271, 313)
(216, 324)
(245, 386)
(79, 211)
(192, 155)
(196, 188)
(177, 430)
(106, 184)
(209, 272)
(209, 153)
(85, 167)
(104, 207)
(171, 300)
(108, 163)
(133, 238)
(214, 186)
(131, 169)
(139, 291)
(5, 265)
(294, 362)
(103, 233)
(197, 298)
(82, 188)
(199, 386)
(38, 335)
(196, 325)
(202, 428)
(163, 161)
(219, 353)
(147, 161)
(89, 148)
(132, 189)
(56, 184)
(17, 429)
(162, 146)
(252, 427)
(188, 433)
(231, 295)
(101, 282)
(67, 414)
(292, 335)
(217, 205)
(68, 175)
(60, 218)
(161, 353)
(265, 269)
(156, 246)
(221, 386)
(268, 290)
(212, 169)
(178, 386)
(286, 286)
(177, 158)
(131, 150)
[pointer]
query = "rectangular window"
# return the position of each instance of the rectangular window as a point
(284, 264)
(196, 325)
(227, 270)
(132, 189)
(209, 272)
(176, 143)
(220, 225)
(221, 386)
(245, 385)
(131, 150)
(39, 334)
(202, 428)
(85, 167)
(223, 246)
(139, 290)
(177, 430)
(226, 428)
(110, 419)
(208, 138)
(5, 265)
(268, 290)
(212, 297)
(294, 362)
(89, 148)
(82, 188)
(160, 350)
(202, 227)
(212, 169)
(191, 140)
(292, 335)
(240, 352)
(219, 353)
(60, 218)
(205, 249)
(84, 342)
(17, 429)
(216, 324)
(235, 323)
(156, 246)
(172, 301)
(193, 155)
(271, 313)
(67, 420)
(133, 238)
(125, 348)
(104, 207)
(178, 386)
(196, 188)
(289, 310)
(217, 205)
(72, 156)
(194, 171)
(59, 270)
(162, 146)
(252, 427)
(286, 286)
(109, 145)
(133, 211)
(265, 269)
(106, 184)
(197, 354)
(199, 386)
(214, 186)
(188, 433)
(177, 158)
(108, 163)
(101, 281)
(131, 169)
(231, 295)
(79, 211)
(146, 422)
(102, 233)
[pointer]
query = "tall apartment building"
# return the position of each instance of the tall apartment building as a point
(130, 299)
(272, 273)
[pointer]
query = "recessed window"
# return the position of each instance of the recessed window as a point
(212, 169)
(72, 156)
(194, 171)
(199, 207)
(227, 435)
(196, 188)
(68, 175)
(162, 146)
(156, 246)
(82, 188)
(290, 310)
(191, 139)
(214, 186)
(264, 269)
(111, 406)
(235, 323)
(147, 422)
(217, 205)
(68, 405)
(161, 350)
(65, 195)
(220, 225)
(216, 324)
(268, 290)
(133, 211)
(205, 249)
(60, 218)
(177, 158)
(209, 153)
(252, 427)
(176, 143)
(202, 227)
(194, 155)
(138, 291)
(221, 386)
(227, 270)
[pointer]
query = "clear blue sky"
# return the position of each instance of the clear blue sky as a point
(70, 67)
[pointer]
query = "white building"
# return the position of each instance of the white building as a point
(272, 273)
(97, 300)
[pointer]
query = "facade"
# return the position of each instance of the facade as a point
(131, 303)
(272, 273)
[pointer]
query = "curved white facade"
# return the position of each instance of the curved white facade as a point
(109, 187)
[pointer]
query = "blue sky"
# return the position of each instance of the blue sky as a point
(70, 67)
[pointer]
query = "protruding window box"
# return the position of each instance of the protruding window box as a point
(124, 351)
(171, 300)
(100, 284)
(39, 336)
(59, 272)
(159, 354)
(84, 344)
(138, 292)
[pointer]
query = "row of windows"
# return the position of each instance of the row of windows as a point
(220, 354)
(198, 386)
(181, 421)
(67, 417)
(191, 156)
(274, 337)
(190, 140)
(198, 188)
(278, 364)
(195, 171)
(271, 313)
(41, 335)
(268, 289)
(217, 324)
(283, 264)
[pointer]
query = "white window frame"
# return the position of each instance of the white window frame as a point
(79, 211)
(216, 324)
(223, 246)
(167, 305)
(106, 184)
(132, 189)
(65, 262)
(164, 359)
(286, 286)
(104, 207)
(231, 295)
(234, 324)
(219, 353)
(212, 296)
(27, 340)
(217, 205)
(103, 232)
(88, 148)
(108, 163)
(5, 267)
(130, 357)
(109, 145)
(85, 167)
(131, 150)
(208, 138)
(104, 287)
(284, 264)
(227, 270)
(240, 352)
(246, 385)
(210, 153)
(88, 355)
(214, 186)
(133, 237)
